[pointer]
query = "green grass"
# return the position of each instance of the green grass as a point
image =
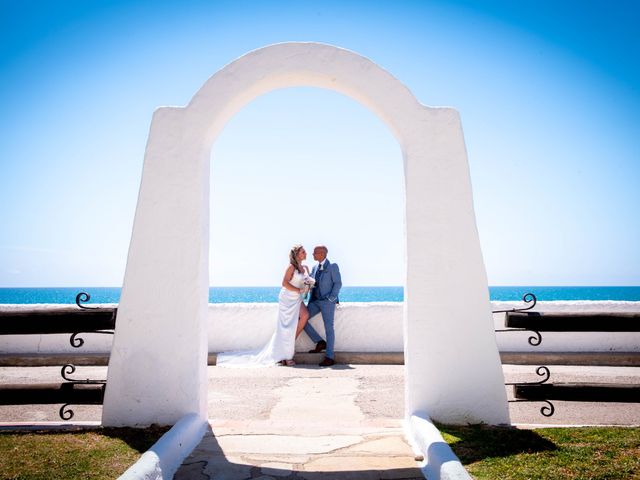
(103, 453)
(549, 453)
(592, 453)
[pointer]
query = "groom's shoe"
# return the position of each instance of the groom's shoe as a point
(327, 362)
(320, 346)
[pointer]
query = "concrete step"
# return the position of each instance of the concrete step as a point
(620, 359)
(605, 359)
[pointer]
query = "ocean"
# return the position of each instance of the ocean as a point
(67, 295)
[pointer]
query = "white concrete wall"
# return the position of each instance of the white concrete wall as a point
(360, 327)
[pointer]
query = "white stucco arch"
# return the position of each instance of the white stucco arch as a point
(157, 370)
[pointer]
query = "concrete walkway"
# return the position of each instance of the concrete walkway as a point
(303, 423)
(250, 395)
(260, 451)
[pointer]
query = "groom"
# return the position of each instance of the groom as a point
(324, 297)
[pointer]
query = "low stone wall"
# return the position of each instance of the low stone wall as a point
(360, 327)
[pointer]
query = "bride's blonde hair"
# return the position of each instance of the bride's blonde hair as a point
(293, 257)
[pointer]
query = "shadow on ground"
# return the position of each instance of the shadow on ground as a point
(473, 443)
(140, 439)
(208, 461)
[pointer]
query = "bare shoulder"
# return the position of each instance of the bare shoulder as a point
(289, 270)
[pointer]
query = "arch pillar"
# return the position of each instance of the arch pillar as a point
(453, 372)
(157, 370)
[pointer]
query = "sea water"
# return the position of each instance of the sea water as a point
(67, 295)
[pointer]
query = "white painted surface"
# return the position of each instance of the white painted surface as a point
(162, 316)
(440, 463)
(360, 327)
(165, 456)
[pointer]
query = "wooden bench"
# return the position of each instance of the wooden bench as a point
(537, 322)
(67, 393)
(74, 321)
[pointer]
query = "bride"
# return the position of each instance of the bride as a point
(292, 316)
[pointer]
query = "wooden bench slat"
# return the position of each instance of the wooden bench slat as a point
(579, 392)
(26, 322)
(563, 322)
(51, 393)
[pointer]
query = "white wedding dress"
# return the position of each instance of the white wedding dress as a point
(283, 341)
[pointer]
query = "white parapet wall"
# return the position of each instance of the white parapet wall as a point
(360, 327)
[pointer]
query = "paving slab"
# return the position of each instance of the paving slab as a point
(377, 454)
(266, 443)
(316, 428)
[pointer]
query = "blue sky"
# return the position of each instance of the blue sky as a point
(548, 92)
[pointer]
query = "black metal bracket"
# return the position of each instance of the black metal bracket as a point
(69, 321)
(75, 341)
(65, 412)
(547, 410)
(84, 297)
(526, 298)
(534, 340)
(542, 371)
(69, 369)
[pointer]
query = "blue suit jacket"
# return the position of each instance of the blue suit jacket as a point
(328, 287)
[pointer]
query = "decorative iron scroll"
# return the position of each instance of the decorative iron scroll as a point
(65, 412)
(75, 341)
(69, 369)
(546, 410)
(527, 298)
(84, 297)
(534, 340)
(542, 371)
